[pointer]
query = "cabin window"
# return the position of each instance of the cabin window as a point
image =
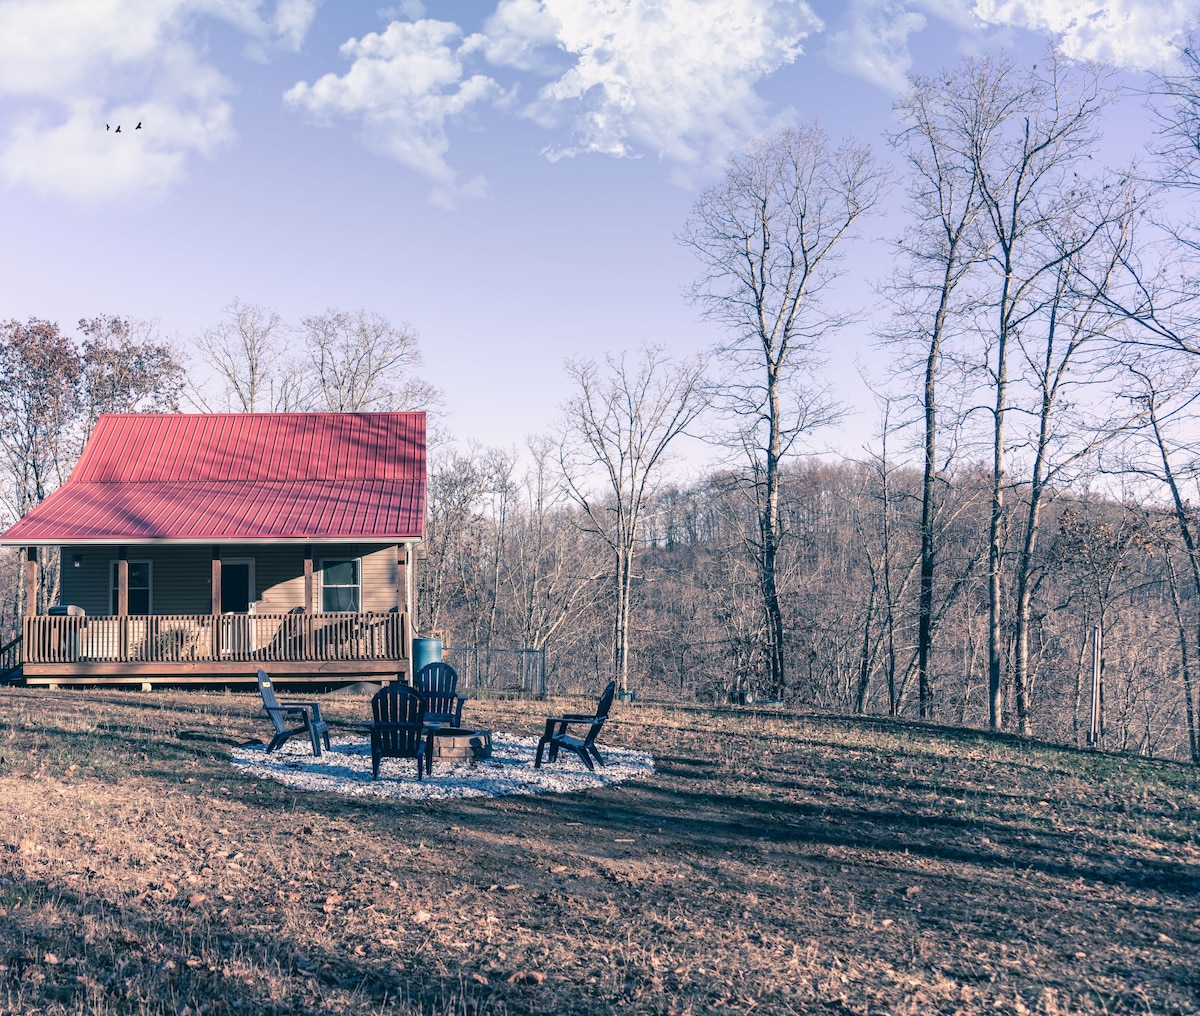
(141, 581)
(341, 585)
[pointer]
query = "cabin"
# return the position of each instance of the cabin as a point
(196, 548)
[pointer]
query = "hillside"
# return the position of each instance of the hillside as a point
(773, 863)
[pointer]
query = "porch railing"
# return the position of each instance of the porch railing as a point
(233, 638)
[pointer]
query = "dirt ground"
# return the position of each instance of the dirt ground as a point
(773, 863)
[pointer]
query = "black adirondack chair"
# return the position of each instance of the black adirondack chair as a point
(397, 727)
(437, 684)
(309, 714)
(557, 738)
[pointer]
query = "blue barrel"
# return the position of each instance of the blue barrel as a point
(425, 651)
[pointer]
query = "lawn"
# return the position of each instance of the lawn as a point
(772, 863)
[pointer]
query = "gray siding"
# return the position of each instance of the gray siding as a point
(182, 576)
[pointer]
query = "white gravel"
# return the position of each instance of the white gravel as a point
(346, 769)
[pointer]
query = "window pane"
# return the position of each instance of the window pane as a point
(139, 574)
(341, 573)
(139, 601)
(340, 598)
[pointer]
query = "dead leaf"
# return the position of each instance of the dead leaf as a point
(28, 845)
(197, 900)
(331, 902)
(526, 977)
(51, 960)
(479, 978)
(422, 917)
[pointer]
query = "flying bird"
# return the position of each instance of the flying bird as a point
(118, 130)
(107, 128)
(139, 126)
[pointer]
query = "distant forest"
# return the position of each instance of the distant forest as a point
(1028, 506)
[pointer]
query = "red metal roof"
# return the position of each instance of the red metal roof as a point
(239, 477)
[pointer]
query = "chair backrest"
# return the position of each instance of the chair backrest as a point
(270, 702)
(397, 704)
(437, 677)
(606, 700)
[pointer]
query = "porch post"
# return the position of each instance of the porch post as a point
(405, 590)
(123, 601)
(31, 581)
(216, 602)
(308, 601)
(122, 581)
(399, 555)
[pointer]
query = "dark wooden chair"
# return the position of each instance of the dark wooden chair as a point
(437, 684)
(309, 714)
(397, 727)
(557, 738)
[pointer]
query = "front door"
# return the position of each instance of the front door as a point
(235, 587)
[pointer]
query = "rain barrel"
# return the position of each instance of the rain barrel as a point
(426, 651)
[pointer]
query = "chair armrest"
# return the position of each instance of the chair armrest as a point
(295, 707)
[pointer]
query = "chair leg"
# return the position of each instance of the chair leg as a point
(537, 762)
(315, 737)
(592, 749)
(582, 753)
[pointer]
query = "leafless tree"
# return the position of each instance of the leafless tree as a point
(619, 426)
(769, 237)
(938, 252)
(247, 352)
(40, 373)
(1066, 353)
(361, 361)
(1030, 130)
(127, 368)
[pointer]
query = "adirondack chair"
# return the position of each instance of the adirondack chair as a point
(437, 684)
(397, 727)
(309, 713)
(556, 737)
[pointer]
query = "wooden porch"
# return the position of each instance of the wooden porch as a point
(208, 648)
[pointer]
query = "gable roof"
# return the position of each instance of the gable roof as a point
(239, 477)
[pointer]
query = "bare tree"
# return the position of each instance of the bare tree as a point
(361, 361)
(1065, 348)
(769, 238)
(1027, 133)
(618, 428)
(938, 253)
(247, 353)
(127, 368)
(39, 404)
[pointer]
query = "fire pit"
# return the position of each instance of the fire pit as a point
(456, 744)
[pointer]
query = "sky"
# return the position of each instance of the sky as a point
(507, 177)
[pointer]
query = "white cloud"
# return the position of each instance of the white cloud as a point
(78, 64)
(875, 44)
(674, 77)
(522, 34)
(1136, 34)
(293, 18)
(404, 85)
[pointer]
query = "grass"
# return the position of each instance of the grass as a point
(773, 864)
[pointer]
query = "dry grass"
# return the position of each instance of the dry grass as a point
(773, 864)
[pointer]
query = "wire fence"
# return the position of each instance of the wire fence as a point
(517, 672)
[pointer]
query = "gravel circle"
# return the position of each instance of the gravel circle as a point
(346, 769)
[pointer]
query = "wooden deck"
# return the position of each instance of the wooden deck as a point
(202, 648)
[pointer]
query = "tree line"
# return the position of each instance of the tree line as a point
(1032, 482)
